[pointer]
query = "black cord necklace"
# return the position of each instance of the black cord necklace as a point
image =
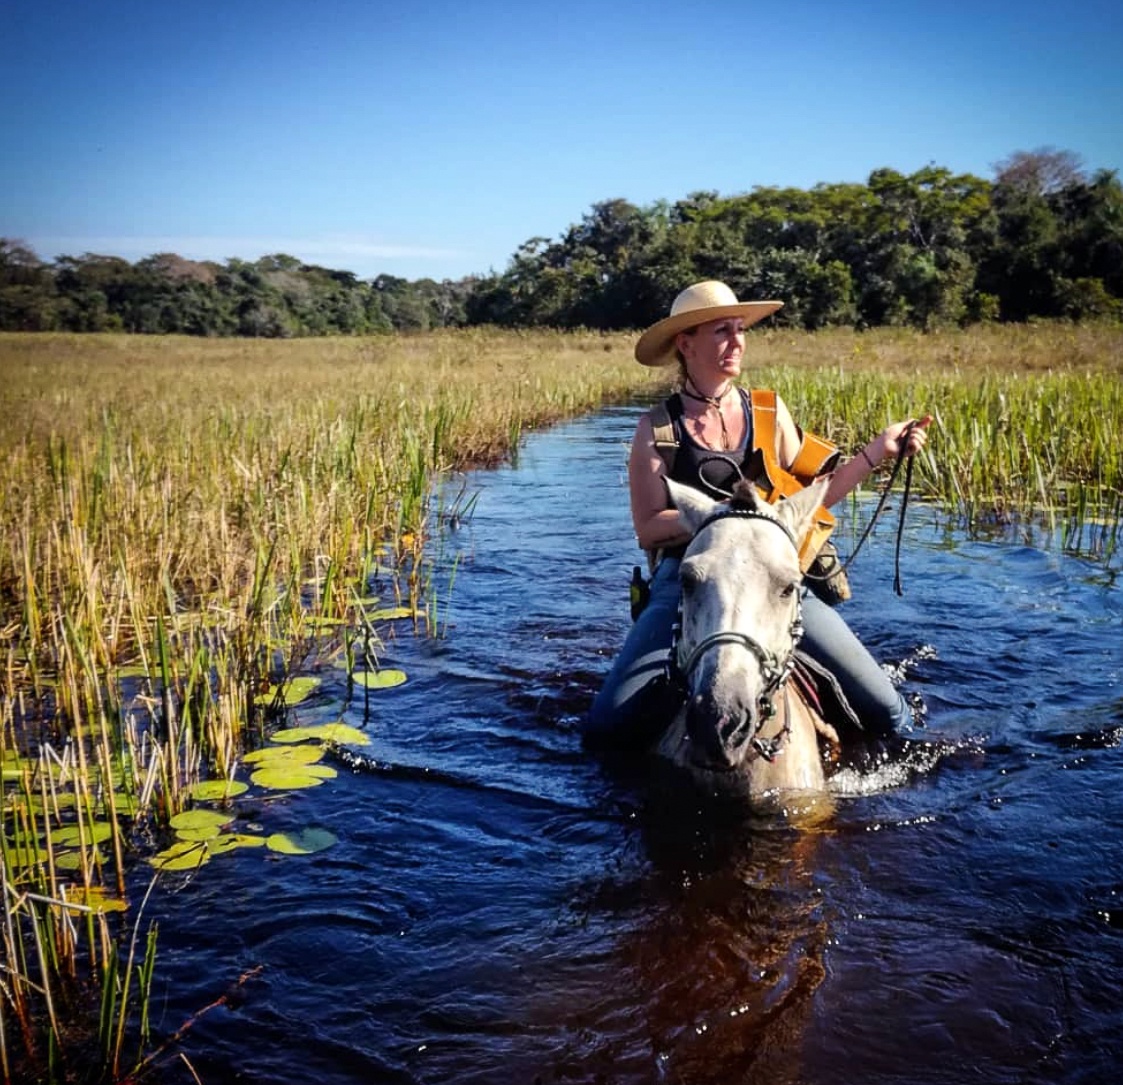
(715, 402)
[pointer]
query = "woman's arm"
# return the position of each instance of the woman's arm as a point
(886, 444)
(656, 523)
(854, 471)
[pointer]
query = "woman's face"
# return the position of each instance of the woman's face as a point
(714, 349)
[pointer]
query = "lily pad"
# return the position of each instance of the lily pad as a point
(182, 855)
(199, 821)
(225, 842)
(283, 778)
(305, 842)
(381, 679)
(292, 734)
(275, 756)
(203, 833)
(125, 804)
(324, 732)
(217, 790)
(19, 856)
(322, 621)
(13, 766)
(34, 804)
(96, 897)
(72, 860)
(325, 772)
(293, 692)
(71, 836)
(389, 614)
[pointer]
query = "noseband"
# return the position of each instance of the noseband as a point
(774, 669)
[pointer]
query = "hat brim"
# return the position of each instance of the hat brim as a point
(657, 345)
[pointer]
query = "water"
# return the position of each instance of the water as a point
(502, 907)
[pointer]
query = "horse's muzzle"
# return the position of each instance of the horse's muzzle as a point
(719, 735)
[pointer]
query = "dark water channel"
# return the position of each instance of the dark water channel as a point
(502, 907)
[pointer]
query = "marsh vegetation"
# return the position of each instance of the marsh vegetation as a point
(187, 525)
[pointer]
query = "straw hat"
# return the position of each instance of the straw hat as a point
(696, 305)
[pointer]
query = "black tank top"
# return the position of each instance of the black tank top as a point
(714, 473)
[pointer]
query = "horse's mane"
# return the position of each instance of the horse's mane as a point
(745, 495)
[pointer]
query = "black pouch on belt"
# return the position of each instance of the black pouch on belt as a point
(826, 577)
(639, 592)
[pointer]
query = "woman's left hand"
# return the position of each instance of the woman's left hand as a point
(910, 435)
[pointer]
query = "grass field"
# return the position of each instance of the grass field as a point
(181, 518)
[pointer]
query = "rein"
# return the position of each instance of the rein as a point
(840, 569)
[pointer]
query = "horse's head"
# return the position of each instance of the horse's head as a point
(740, 615)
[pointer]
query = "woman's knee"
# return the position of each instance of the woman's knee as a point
(871, 693)
(624, 702)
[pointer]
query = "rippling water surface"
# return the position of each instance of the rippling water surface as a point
(502, 907)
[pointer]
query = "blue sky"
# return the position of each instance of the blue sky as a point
(431, 139)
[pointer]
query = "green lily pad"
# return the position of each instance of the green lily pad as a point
(295, 690)
(274, 756)
(284, 778)
(204, 832)
(325, 772)
(96, 897)
(72, 860)
(196, 820)
(182, 855)
(13, 766)
(342, 733)
(123, 803)
(33, 804)
(364, 601)
(389, 614)
(322, 732)
(226, 842)
(217, 790)
(19, 856)
(292, 734)
(70, 836)
(322, 621)
(325, 732)
(305, 842)
(380, 679)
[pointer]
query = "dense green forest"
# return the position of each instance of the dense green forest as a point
(931, 248)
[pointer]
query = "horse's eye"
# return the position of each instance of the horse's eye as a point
(689, 578)
(788, 590)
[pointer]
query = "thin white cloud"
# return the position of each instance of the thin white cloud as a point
(328, 250)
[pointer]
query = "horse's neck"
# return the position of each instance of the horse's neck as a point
(799, 765)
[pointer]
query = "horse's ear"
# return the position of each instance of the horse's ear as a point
(693, 506)
(799, 510)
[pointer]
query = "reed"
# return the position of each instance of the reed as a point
(180, 519)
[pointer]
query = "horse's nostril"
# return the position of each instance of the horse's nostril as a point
(728, 726)
(716, 733)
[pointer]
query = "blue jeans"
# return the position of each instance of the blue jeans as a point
(635, 704)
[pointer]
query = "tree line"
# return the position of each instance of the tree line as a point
(1043, 239)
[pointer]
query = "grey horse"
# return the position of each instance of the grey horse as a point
(744, 723)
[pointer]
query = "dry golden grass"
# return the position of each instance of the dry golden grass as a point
(967, 353)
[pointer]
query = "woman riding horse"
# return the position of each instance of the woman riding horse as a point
(712, 421)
